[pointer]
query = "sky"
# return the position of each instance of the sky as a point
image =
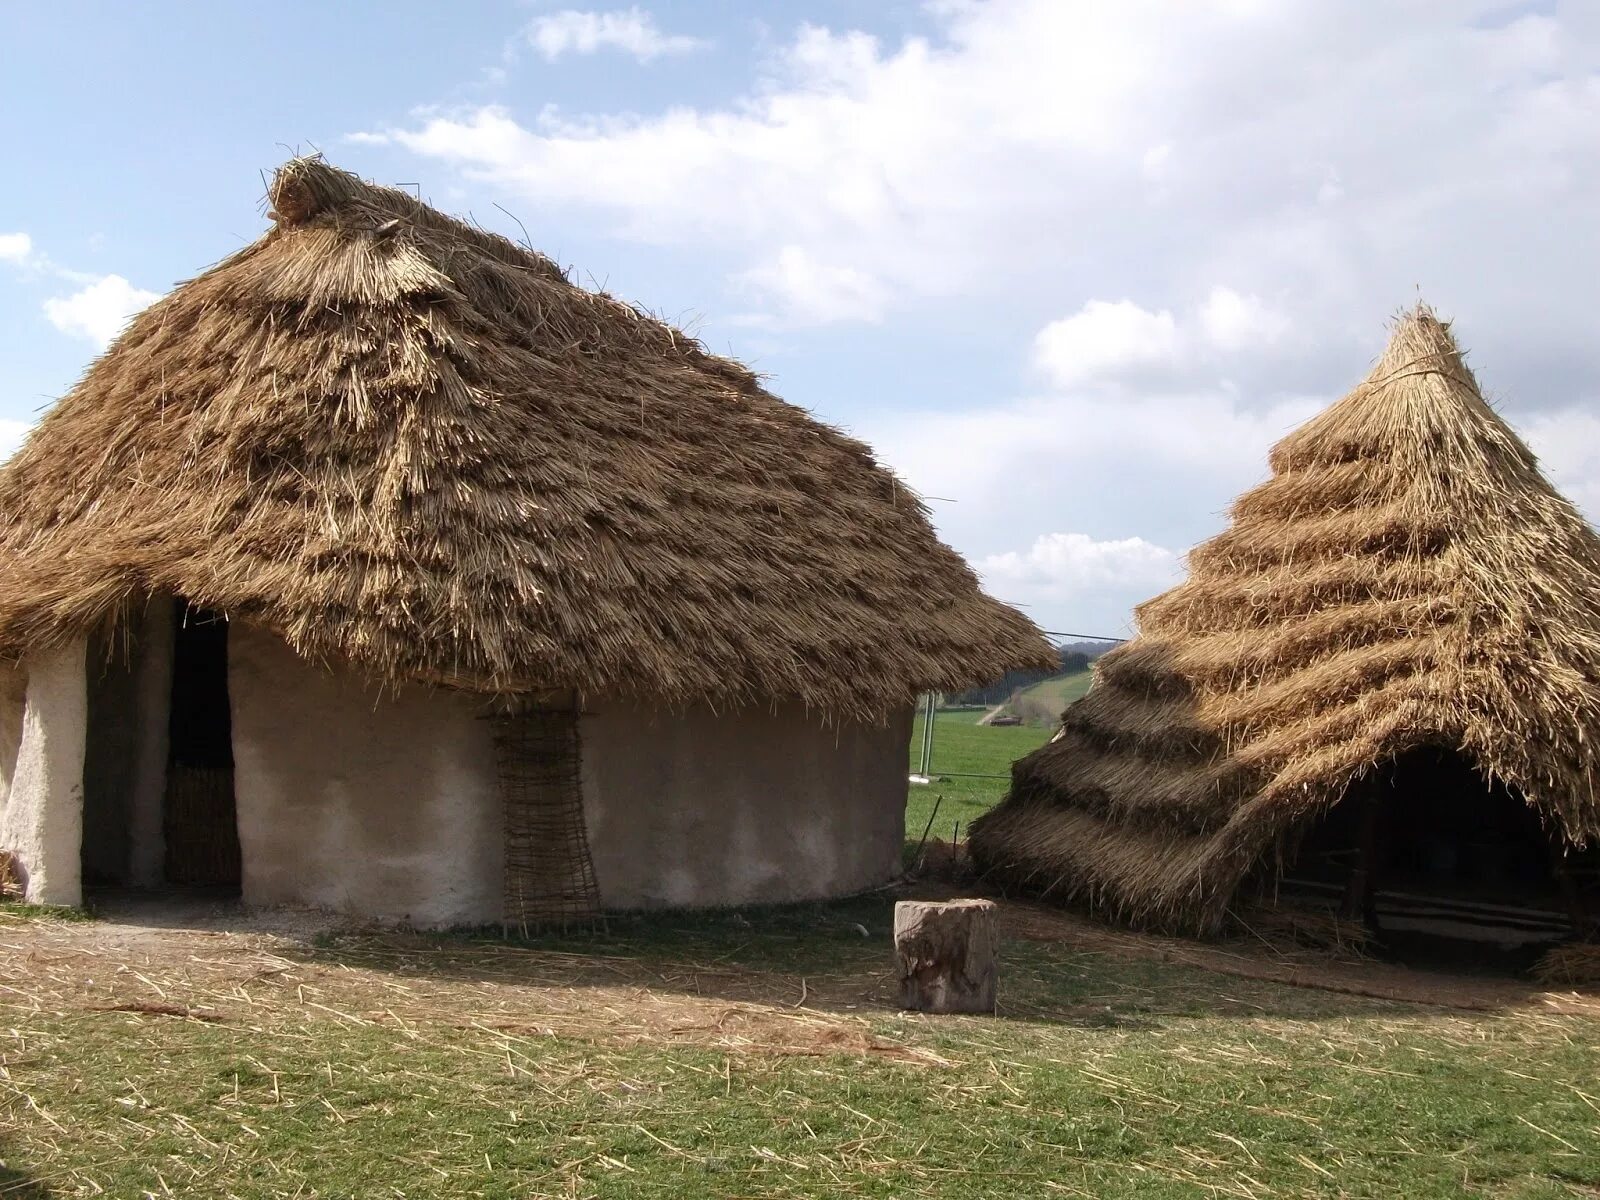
(1070, 266)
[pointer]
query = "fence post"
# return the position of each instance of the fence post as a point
(927, 735)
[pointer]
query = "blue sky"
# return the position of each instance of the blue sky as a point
(1070, 266)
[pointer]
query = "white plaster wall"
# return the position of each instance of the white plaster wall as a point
(387, 805)
(701, 809)
(382, 805)
(43, 819)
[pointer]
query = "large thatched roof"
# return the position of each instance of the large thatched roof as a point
(403, 442)
(1406, 578)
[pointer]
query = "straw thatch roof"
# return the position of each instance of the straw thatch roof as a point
(1406, 578)
(406, 443)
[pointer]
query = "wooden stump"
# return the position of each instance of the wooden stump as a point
(947, 951)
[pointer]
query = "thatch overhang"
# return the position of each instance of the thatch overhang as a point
(407, 444)
(1406, 578)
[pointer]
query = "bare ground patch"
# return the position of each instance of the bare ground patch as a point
(175, 960)
(283, 967)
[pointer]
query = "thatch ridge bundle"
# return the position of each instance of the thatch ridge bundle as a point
(411, 445)
(1406, 578)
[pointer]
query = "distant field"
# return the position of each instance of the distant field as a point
(963, 746)
(1062, 690)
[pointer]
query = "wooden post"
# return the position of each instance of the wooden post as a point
(1360, 901)
(1583, 925)
(947, 953)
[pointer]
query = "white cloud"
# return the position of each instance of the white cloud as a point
(810, 292)
(1155, 160)
(15, 247)
(1233, 322)
(1105, 338)
(1107, 342)
(1138, 471)
(1567, 442)
(1203, 211)
(1025, 143)
(11, 435)
(1158, 466)
(100, 310)
(631, 31)
(97, 310)
(1065, 564)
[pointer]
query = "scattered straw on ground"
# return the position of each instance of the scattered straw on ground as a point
(267, 969)
(257, 972)
(1574, 965)
(1274, 961)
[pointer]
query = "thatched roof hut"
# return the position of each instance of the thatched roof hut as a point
(405, 443)
(1405, 582)
(386, 446)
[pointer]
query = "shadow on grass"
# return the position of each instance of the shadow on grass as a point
(838, 957)
(833, 957)
(16, 1185)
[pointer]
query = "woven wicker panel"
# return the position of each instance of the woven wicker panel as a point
(201, 826)
(549, 877)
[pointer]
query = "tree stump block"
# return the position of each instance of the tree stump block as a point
(947, 952)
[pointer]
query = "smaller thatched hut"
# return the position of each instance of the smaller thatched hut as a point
(381, 567)
(1385, 673)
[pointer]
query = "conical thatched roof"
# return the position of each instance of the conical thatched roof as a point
(409, 444)
(1406, 578)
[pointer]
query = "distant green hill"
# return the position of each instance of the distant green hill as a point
(1042, 703)
(1075, 657)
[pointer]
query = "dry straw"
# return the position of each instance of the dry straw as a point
(1575, 964)
(1406, 578)
(406, 443)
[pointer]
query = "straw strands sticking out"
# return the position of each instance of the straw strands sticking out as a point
(406, 443)
(1407, 577)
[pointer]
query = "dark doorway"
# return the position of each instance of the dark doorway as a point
(111, 750)
(200, 821)
(1442, 866)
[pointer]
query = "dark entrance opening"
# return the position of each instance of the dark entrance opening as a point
(110, 756)
(1443, 866)
(200, 818)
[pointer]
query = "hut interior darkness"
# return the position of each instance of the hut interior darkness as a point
(158, 799)
(1438, 862)
(1377, 690)
(382, 568)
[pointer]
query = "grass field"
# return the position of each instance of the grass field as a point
(750, 1055)
(962, 746)
(1062, 690)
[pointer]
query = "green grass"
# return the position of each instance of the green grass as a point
(51, 912)
(963, 749)
(1105, 1078)
(1062, 690)
(963, 746)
